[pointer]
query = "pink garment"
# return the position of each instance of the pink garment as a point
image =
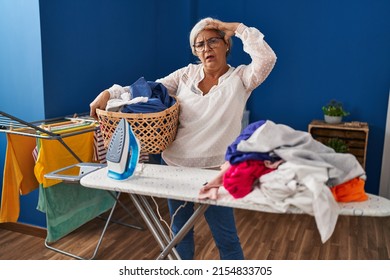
(239, 178)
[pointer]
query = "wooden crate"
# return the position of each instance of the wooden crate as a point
(354, 134)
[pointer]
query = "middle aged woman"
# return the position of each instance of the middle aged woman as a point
(212, 97)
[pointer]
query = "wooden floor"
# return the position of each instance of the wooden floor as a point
(263, 236)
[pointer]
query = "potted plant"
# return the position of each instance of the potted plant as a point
(338, 145)
(334, 112)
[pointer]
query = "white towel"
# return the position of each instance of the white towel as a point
(305, 188)
(116, 105)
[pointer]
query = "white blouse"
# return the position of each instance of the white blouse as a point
(209, 123)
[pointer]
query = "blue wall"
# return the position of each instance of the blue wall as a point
(326, 49)
(21, 85)
(89, 45)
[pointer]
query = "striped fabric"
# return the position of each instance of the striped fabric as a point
(100, 151)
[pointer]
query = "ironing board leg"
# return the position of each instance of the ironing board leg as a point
(158, 224)
(98, 243)
(184, 230)
(128, 213)
(158, 232)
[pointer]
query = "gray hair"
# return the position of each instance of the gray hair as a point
(200, 27)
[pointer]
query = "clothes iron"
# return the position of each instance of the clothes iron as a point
(123, 152)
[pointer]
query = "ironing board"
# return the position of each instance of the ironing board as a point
(183, 183)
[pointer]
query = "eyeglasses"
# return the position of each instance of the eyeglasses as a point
(212, 43)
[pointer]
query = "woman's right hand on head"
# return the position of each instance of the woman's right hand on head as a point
(100, 102)
(228, 27)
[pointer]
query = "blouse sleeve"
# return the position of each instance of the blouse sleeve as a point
(171, 82)
(263, 57)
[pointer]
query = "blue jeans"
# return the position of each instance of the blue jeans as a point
(222, 225)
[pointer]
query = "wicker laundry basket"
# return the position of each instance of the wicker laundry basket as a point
(155, 131)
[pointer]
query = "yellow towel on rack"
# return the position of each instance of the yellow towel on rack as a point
(19, 178)
(53, 155)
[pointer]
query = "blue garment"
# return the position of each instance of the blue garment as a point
(153, 105)
(236, 157)
(158, 97)
(222, 225)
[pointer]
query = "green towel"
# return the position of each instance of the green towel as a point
(69, 206)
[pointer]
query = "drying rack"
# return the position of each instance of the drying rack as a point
(14, 125)
(39, 129)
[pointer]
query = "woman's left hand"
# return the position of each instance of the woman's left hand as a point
(210, 189)
(100, 102)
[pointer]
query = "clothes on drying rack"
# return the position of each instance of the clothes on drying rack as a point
(19, 178)
(53, 155)
(25, 162)
(68, 126)
(69, 206)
